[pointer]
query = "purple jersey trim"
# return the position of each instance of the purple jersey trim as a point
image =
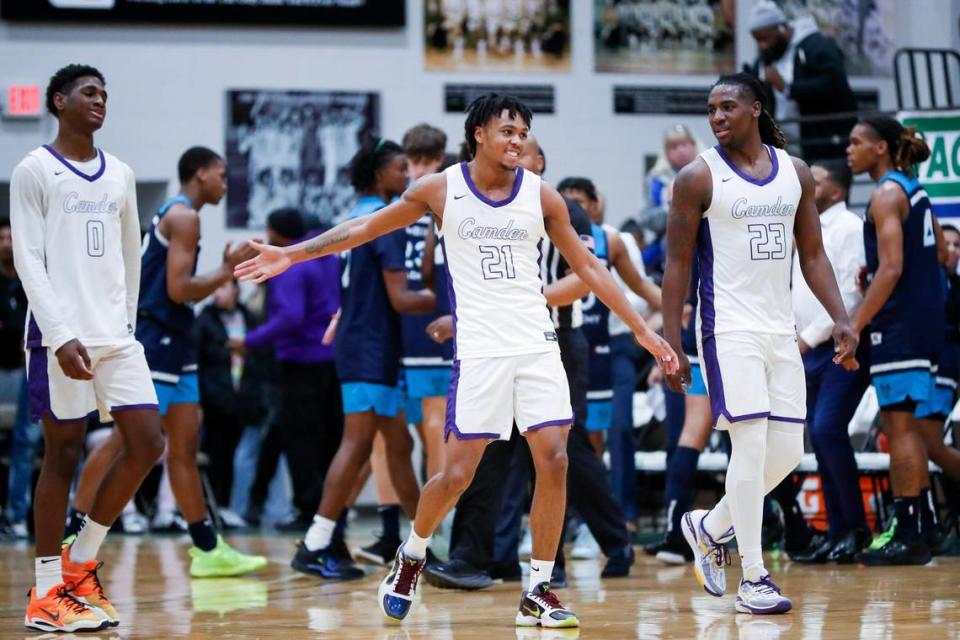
(135, 407)
(452, 297)
(552, 423)
(34, 335)
(786, 419)
(68, 165)
(485, 199)
(751, 180)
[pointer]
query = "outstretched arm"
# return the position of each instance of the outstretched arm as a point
(557, 223)
(817, 270)
(426, 194)
(620, 260)
(692, 192)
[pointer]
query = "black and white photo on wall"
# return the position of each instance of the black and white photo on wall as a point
(501, 35)
(293, 149)
(664, 37)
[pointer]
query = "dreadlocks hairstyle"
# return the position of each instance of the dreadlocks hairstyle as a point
(370, 159)
(489, 106)
(64, 79)
(905, 146)
(770, 132)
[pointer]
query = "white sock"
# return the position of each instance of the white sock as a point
(541, 571)
(415, 546)
(319, 534)
(48, 572)
(87, 544)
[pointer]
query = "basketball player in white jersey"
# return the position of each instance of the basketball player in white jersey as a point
(741, 204)
(492, 216)
(76, 244)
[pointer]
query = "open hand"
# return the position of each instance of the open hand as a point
(658, 347)
(271, 261)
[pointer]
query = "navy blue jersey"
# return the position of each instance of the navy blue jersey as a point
(419, 350)
(910, 323)
(164, 327)
(596, 322)
(368, 336)
(688, 335)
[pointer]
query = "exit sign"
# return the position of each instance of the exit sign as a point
(22, 101)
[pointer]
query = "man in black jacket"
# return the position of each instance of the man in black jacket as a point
(805, 75)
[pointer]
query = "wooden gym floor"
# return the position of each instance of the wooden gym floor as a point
(148, 581)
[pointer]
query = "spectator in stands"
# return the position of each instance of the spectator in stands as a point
(805, 76)
(833, 393)
(230, 392)
(680, 147)
(13, 388)
(300, 305)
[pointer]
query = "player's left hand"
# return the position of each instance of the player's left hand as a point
(661, 350)
(271, 261)
(845, 342)
(441, 329)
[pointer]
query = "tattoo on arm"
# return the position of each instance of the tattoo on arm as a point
(324, 240)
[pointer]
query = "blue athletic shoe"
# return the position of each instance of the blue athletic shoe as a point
(396, 592)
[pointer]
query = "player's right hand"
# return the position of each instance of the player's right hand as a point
(271, 261)
(234, 255)
(441, 329)
(679, 380)
(75, 361)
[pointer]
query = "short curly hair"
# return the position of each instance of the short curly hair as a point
(64, 80)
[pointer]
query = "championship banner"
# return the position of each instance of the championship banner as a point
(940, 174)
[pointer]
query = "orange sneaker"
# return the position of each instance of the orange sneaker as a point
(60, 611)
(81, 579)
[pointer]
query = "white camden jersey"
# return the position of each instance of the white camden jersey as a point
(76, 237)
(493, 251)
(744, 247)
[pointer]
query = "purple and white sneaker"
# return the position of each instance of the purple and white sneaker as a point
(761, 597)
(396, 592)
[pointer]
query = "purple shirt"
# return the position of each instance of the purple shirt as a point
(300, 304)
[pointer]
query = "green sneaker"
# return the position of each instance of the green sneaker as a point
(223, 561)
(885, 537)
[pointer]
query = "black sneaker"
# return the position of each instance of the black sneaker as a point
(618, 564)
(506, 571)
(938, 543)
(326, 563)
(542, 608)
(381, 552)
(897, 552)
(559, 578)
(456, 574)
(674, 551)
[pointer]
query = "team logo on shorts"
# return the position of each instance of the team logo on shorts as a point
(876, 338)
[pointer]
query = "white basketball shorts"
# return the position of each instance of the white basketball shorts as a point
(121, 381)
(754, 375)
(487, 395)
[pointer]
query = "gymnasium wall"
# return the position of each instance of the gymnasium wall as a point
(167, 87)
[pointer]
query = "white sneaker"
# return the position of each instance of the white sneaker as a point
(526, 545)
(166, 521)
(19, 530)
(231, 520)
(585, 547)
(134, 522)
(542, 608)
(761, 597)
(709, 557)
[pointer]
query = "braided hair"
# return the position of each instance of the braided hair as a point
(770, 131)
(490, 106)
(905, 146)
(371, 157)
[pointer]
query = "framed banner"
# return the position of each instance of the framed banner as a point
(293, 149)
(308, 13)
(940, 174)
(497, 35)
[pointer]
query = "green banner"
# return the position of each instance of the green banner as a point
(940, 174)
